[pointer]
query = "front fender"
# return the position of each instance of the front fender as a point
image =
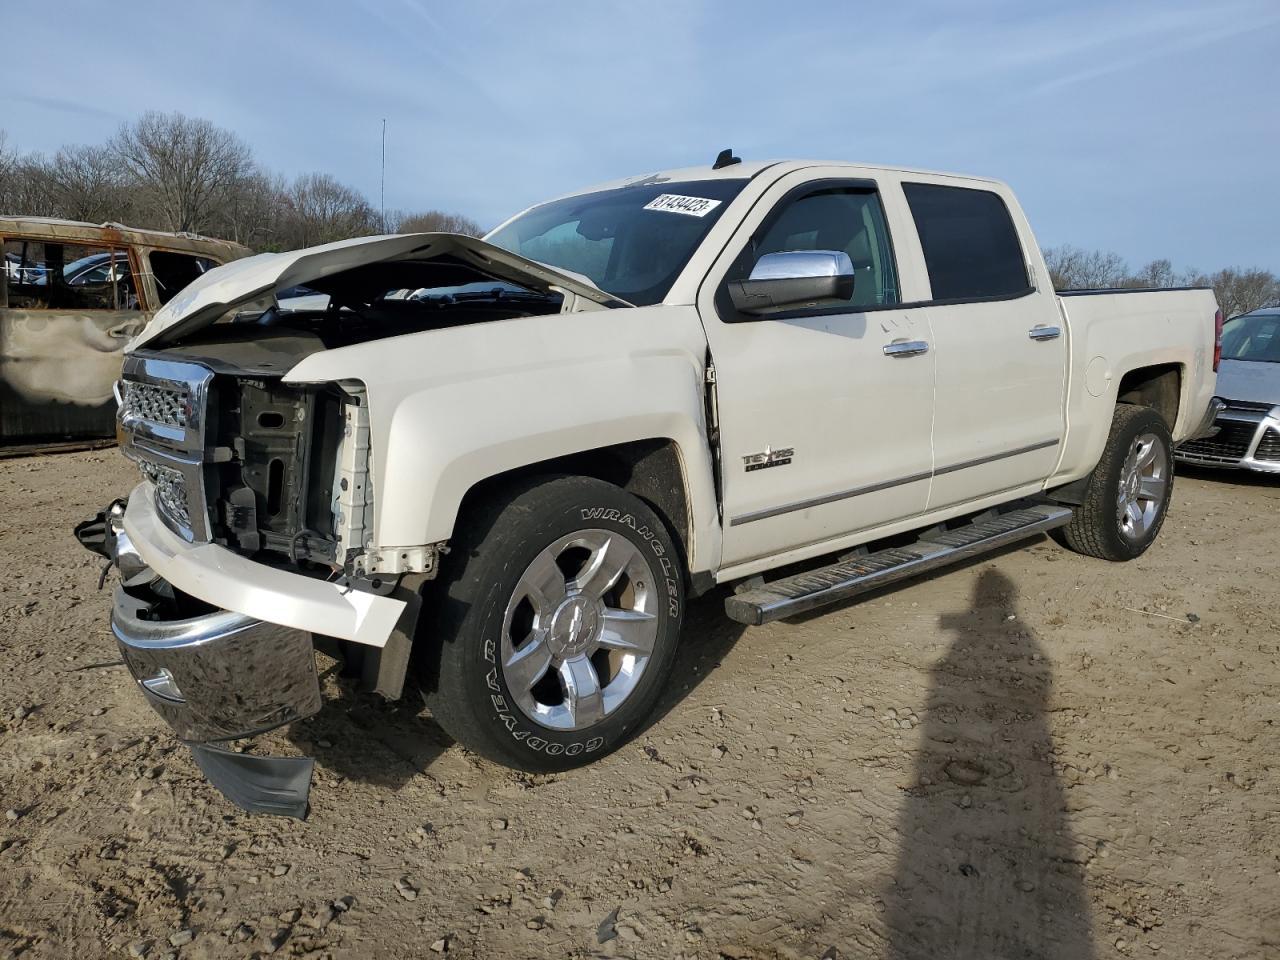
(451, 408)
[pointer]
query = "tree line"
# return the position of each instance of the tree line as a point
(174, 172)
(1237, 290)
(169, 171)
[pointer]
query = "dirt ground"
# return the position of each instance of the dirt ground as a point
(1037, 755)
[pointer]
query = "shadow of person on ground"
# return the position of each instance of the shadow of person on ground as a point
(987, 868)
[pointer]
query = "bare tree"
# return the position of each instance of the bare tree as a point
(321, 209)
(433, 221)
(8, 168)
(170, 171)
(89, 183)
(1072, 268)
(29, 190)
(187, 166)
(24, 190)
(254, 213)
(1243, 291)
(1157, 273)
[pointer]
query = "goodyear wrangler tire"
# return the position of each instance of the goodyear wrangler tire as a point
(559, 611)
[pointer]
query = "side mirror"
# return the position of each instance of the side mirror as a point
(794, 278)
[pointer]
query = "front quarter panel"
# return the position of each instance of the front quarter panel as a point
(450, 408)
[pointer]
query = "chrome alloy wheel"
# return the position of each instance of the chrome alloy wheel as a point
(579, 629)
(1144, 479)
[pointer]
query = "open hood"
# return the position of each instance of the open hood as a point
(241, 282)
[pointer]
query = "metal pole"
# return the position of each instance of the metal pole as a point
(384, 174)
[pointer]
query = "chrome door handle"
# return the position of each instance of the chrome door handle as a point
(905, 348)
(1043, 331)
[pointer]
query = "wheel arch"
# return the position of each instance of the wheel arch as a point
(1158, 386)
(651, 469)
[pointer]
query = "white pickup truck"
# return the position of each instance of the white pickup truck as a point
(504, 465)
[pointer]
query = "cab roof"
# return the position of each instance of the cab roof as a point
(745, 170)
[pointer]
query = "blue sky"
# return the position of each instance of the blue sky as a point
(1150, 129)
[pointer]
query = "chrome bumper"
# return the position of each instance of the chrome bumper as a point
(1206, 426)
(216, 676)
(212, 674)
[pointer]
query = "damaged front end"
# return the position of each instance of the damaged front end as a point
(252, 539)
(212, 674)
(244, 549)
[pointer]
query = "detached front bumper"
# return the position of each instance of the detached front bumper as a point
(214, 676)
(222, 646)
(219, 676)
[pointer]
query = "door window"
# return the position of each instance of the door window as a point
(842, 218)
(68, 276)
(971, 248)
(173, 271)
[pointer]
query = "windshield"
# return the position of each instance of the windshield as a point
(1254, 336)
(631, 242)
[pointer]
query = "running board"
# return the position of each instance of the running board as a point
(848, 578)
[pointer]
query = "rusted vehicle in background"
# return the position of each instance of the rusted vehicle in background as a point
(71, 296)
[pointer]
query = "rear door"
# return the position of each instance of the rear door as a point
(1001, 344)
(822, 434)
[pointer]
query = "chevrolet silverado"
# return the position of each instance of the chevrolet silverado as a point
(502, 466)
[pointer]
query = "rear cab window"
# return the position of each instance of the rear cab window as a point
(970, 244)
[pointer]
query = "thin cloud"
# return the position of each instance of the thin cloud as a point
(73, 107)
(1137, 56)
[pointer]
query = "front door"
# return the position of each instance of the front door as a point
(822, 432)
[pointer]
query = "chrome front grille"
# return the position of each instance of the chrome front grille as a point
(172, 496)
(155, 403)
(162, 413)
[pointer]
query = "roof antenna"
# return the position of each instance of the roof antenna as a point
(725, 159)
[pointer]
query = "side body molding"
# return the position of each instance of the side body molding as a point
(450, 408)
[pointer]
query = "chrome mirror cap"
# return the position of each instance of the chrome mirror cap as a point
(794, 279)
(802, 264)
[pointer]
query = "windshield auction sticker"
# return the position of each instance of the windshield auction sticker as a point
(689, 206)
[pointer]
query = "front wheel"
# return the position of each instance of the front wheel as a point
(1128, 493)
(560, 612)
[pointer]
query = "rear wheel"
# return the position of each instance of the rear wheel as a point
(1128, 493)
(560, 614)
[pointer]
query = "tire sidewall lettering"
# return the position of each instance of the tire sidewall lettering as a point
(505, 711)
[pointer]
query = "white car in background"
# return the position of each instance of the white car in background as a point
(1248, 427)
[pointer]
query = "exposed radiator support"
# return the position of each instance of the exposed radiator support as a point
(352, 489)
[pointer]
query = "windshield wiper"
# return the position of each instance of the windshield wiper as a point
(496, 294)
